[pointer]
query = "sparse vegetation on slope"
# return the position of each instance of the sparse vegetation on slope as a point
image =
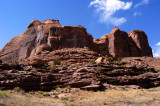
(119, 96)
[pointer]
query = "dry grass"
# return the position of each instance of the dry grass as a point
(115, 97)
(19, 99)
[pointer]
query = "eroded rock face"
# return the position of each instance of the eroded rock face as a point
(50, 35)
(47, 35)
(140, 38)
(118, 43)
(69, 37)
(84, 76)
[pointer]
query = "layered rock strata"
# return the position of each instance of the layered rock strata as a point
(84, 76)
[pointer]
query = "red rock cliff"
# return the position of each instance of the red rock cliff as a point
(50, 35)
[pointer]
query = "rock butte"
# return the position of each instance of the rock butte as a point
(44, 41)
(59, 40)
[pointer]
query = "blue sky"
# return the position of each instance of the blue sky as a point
(97, 16)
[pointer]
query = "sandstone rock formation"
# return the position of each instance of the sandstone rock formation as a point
(51, 36)
(85, 76)
(140, 38)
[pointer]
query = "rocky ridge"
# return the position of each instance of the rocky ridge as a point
(89, 76)
(50, 36)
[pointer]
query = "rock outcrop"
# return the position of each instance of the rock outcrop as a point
(140, 38)
(50, 35)
(85, 76)
(118, 43)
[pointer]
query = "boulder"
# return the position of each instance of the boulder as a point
(36, 62)
(99, 60)
(134, 86)
(92, 87)
(43, 47)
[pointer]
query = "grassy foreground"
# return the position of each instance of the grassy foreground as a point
(114, 97)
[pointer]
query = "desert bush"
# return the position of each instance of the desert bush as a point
(14, 63)
(52, 67)
(56, 61)
(104, 103)
(92, 61)
(31, 92)
(58, 89)
(42, 93)
(99, 68)
(34, 70)
(64, 99)
(118, 60)
(5, 63)
(112, 59)
(3, 94)
(18, 89)
(123, 65)
(25, 64)
(67, 87)
(109, 59)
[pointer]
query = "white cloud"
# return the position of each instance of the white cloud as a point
(137, 13)
(107, 8)
(156, 50)
(156, 53)
(117, 21)
(141, 3)
(158, 44)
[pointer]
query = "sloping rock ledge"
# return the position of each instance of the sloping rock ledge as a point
(85, 76)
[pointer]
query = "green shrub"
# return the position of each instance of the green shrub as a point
(56, 61)
(3, 94)
(18, 89)
(52, 67)
(58, 89)
(31, 92)
(118, 61)
(64, 99)
(99, 68)
(122, 65)
(109, 59)
(15, 63)
(92, 62)
(43, 93)
(112, 59)
(67, 87)
(40, 92)
(104, 103)
(34, 70)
